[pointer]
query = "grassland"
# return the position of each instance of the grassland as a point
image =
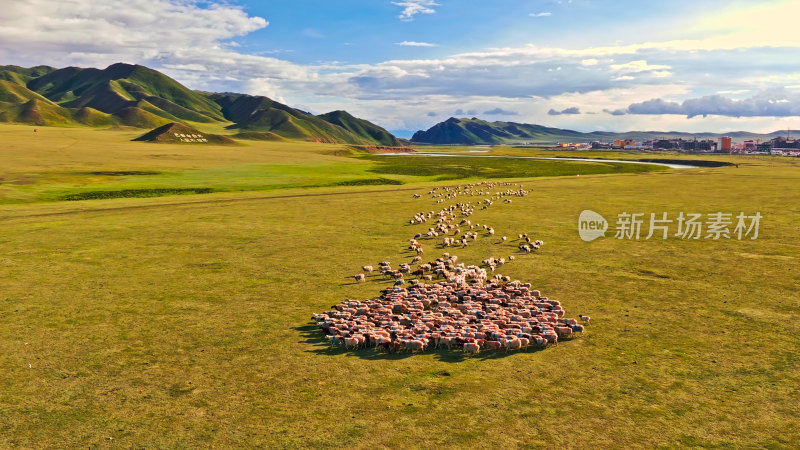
(184, 321)
(67, 163)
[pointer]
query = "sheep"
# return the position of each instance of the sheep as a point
(367, 269)
(415, 345)
(467, 310)
(504, 238)
(472, 348)
(360, 277)
(493, 345)
(513, 344)
(585, 319)
(351, 342)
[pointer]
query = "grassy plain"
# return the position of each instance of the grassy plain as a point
(68, 163)
(184, 321)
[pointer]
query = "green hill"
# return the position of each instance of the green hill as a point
(121, 94)
(136, 96)
(113, 88)
(134, 116)
(11, 92)
(475, 131)
(261, 114)
(178, 133)
(258, 136)
(361, 127)
(22, 75)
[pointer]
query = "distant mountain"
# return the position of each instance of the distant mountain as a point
(134, 95)
(475, 131)
(178, 133)
(261, 114)
(361, 127)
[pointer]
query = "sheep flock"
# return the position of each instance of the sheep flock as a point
(444, 303)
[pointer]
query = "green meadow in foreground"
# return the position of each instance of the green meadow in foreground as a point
(184, 321)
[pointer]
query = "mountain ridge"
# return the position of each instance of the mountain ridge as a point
(137, 96)
(474, 131)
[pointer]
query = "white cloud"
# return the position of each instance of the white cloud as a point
(416, 44)
(193, 44)
(500, 112)
(84, 30)
(772, 103)
(661, 73)
(413, 7)
(640, 65)
(570, 110)
(734, 91)
(541, 14)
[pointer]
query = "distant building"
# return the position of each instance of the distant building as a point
(693, 145)
(764, 147)
(725, 144)
(622, 143)
(749, 146)
(782, 143)
(667, 144)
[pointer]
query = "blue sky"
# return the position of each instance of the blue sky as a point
(702, 65)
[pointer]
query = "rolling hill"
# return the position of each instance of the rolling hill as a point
(475, 131)
(361, 127)
(261, 114)
(137, 96)
(178, 133)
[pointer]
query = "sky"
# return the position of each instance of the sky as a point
(611, 65)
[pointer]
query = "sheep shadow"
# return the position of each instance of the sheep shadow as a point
(315, 338)
(373, 278)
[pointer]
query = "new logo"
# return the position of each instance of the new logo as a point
(591, 225)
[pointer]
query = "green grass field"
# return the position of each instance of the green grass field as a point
(184, 320)
(81, 163)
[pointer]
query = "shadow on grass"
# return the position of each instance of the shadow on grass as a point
(315, 337)
(372, 278)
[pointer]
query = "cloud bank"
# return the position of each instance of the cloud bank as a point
(500, 112)
(650, 83)
(572, 110)
(773, 103)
